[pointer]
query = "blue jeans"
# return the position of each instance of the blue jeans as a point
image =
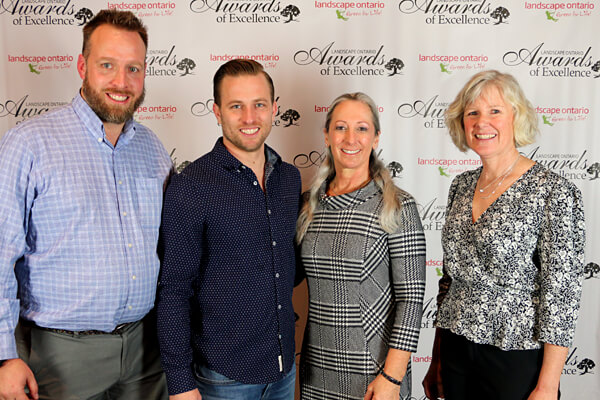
(214, 386)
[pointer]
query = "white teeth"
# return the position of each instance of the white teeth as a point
(249, 131)
(117, 97)
(350, 151)
(488, 136)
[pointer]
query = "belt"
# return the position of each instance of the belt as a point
(119, 329)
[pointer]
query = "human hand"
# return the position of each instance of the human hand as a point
(432, 383)
(382, 389)
(15, 375)
(190, 395)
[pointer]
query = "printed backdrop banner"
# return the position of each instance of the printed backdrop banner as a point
(411, 56)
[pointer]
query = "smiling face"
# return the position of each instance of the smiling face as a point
(351, 136)
(488, 123)
(113, 73)
(246, 113)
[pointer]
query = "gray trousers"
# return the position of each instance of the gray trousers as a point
(122, 366)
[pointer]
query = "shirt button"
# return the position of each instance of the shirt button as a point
(124, 213)
(243, 167)
(277, 275)
(129, 245)
(99, 140)
(279, 306)
(255, 183)
(133, 277)
(120, 182)
(279, 336)
(129, 307)
(269, 212)
(274, 243)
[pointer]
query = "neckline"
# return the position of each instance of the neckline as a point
(493, 204)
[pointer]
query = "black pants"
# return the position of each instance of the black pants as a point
(480, 371)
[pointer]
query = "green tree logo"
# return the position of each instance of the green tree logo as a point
(442, 171)
(33, 70)
(444, 68)
(547, 121)
(340, 15)
(550, 16)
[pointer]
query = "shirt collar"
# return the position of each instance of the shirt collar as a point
(226, 159)
(95, 126)
(348, 200)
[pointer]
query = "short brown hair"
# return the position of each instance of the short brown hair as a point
(121, 19)
(239, 67)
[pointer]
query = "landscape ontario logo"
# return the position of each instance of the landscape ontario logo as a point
(165, 62)
(553, 11)
(23, 108)
(247, 11)
(552, 115)
(267, 60)
(155, 113)
(449, 63)
(145, 9)
(344, 10)
(447, 167)
(45, 12)
(456, 12)
(37, 64)
(350, 62)
(554, 63)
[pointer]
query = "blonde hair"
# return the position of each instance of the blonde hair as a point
(525, 122)
(392, 195)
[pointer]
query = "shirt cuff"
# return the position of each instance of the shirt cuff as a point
(180, 381)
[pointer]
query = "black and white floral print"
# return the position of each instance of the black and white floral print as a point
(513, 278)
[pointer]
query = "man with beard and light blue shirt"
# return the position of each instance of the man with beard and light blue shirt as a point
(81, 192)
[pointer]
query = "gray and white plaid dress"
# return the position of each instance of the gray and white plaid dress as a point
(366, 291)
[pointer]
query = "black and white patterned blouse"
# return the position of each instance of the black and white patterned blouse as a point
(366, 289)
(513, 278)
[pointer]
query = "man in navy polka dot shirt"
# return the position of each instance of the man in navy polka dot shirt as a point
(225, 315)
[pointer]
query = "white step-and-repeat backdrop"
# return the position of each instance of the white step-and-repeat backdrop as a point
(411, 56)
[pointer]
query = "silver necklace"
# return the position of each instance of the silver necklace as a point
(501, 177)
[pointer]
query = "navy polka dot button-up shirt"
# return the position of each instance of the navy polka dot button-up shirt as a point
(228, 266)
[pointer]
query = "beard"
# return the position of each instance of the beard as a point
(114, 114)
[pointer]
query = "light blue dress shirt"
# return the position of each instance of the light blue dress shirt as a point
(79, 223)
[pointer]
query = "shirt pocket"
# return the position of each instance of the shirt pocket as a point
(149, 192)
